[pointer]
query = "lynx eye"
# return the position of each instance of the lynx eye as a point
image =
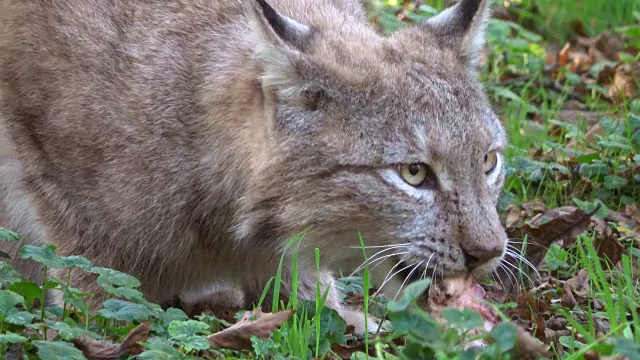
(413, 174)
(490, 162)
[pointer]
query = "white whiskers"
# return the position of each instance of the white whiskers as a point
(379, 246)
(390, 276)
(515, 253)
(377, 257)
(407, 278)
(424, 273)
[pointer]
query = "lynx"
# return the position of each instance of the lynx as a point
(185, 142)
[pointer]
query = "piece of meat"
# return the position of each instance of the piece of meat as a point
(464, 293)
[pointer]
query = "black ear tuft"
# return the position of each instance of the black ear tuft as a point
(468, 10)
(462, 27)
(287, 29)
(277, 23)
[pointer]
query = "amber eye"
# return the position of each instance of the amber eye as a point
(413, 174)
(490, 162)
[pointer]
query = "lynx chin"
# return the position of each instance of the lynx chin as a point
(186, 141)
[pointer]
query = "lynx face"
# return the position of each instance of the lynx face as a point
(391, 136)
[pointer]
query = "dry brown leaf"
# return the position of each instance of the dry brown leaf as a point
(580, 62)
(607, 45)
(255, 323)
(604, 47)
(620, 218)
(591, 135)
(557, 323)
(625, 82)
(528, 347)
(529, 305)
(102, 350)
(606, 241)
(568, 300)
(633, 211)
(582, 186)
(577, 286)
(629, 232)
(539, 329)
(563, 55)
(513, 217)
(579, 283)
(563, 223)
(534, 207)
(550, 335)
(574, 116)
(346, 351)
(606, 75)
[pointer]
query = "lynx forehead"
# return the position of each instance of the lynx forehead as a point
(179, 141)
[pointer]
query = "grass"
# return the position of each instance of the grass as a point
(552, 158)
(558, 19)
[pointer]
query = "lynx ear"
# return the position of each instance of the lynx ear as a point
(283, 28)
(280, 42)
(462, 27)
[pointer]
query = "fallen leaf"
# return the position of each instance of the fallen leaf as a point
(540, 328)
(563, 223)
(550, 335)
(557, 323)
(255, 323)
(568, 300)
(528, 347)
(634, 212)
(574, 116)
(625, 82)
(563, 55)
(101, 350)
(577, 286)
(580, 62)
(514, 217)
(606, 241)
(591, 135)
(534, 207)
(529, 305)
(619, 217)
(606, 74)
(608, 45)
(629, 233)
(345, 352)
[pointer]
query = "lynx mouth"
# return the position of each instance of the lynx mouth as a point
(410, 273)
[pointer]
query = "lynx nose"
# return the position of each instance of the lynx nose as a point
(478, 258)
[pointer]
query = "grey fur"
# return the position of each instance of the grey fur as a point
(185, 141)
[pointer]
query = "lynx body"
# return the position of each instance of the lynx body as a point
(187, 141)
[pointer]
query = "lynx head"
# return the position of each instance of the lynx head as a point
(389, 135)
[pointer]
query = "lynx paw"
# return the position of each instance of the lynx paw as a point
(356, 319)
